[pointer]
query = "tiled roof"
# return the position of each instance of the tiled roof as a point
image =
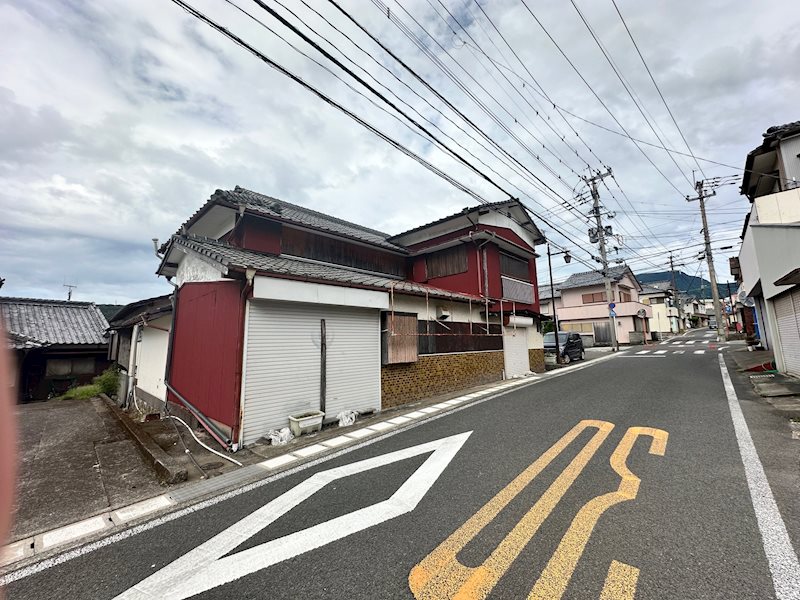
(782, 131)
(588, 278)
(48, 322)
(136, 312)
(544, 291)
(463, 211)
(269, 206)
(231, 256)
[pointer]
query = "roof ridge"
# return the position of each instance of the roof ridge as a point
(24, 300)
(311, 210)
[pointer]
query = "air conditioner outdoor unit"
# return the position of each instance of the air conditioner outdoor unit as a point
(442, 314)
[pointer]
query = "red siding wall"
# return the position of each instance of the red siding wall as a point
(206, 354)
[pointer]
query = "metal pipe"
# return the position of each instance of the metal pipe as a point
(212, 429)
(553, 303)
(196, 439)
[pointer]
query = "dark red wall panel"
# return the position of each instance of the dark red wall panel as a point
(206, 353)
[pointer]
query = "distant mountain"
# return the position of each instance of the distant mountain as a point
(687, 284)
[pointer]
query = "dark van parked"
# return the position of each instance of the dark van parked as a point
(570, 345)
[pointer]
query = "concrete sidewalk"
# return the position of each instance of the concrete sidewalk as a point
(74, 460)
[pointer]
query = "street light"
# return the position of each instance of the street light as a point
(567, 259)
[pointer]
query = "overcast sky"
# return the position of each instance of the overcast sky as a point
(119, 119)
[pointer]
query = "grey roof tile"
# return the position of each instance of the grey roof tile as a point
(237, 257)
(47, 322)
(588, 278)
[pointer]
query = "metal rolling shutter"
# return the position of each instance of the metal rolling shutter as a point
(787, 311)
(515, 351)
(282, 367)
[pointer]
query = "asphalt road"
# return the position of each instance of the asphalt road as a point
(531, 494)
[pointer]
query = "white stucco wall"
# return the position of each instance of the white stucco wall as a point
(151, 357)
(194, 268)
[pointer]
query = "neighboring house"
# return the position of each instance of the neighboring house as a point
(282, 310)
(665, 313)
(57, 344)
(139, 342)
(584, 305)
(546, 301)
(769, 260)
(693, 311)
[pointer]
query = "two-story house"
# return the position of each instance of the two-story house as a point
(665, 313)
(769, 259)
(584, 306)
(281, 309)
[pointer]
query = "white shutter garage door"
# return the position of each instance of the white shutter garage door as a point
(515, 351)
(787, 311)
(283, 362)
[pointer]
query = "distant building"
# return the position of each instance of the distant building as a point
(665, 313)
(584, 306)
(769, 259)
(57, 344)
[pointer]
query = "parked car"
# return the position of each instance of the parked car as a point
(570, 345)
(712, 323)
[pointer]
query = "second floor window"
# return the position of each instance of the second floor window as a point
(592, 298)
(511, 266)
(446, 262)
(624, 297)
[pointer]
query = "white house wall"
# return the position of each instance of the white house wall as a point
(193, 268)
(151, 357)
(790, 149)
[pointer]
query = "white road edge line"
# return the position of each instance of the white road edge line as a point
(783, 562)
(68, 555)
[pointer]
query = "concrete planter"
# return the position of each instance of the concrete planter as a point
(306, 422)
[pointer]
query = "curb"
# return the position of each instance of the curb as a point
(98, 526)
(167, 469)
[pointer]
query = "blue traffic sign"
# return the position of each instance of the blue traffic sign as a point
(611, 305)
(612, 314)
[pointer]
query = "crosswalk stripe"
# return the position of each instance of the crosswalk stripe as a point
(690, 342)
(661, 351)
(679, 351)
(699, 351)
(643, 352)
(705, 341)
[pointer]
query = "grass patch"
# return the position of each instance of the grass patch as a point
(82, 392)
(105, 383)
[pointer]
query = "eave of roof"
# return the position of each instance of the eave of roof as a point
(231, 257)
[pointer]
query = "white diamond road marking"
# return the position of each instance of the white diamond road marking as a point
(699, 351)
(661, 351)
(643, 352)
(206, 567)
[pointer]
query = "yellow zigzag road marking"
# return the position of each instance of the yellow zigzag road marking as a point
(441, 576)
(558, 572)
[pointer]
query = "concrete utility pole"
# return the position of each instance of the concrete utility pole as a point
(675, 296)
(592, 183)
(701, 196)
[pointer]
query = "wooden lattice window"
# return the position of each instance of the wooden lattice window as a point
(446, 262)
(399, 338)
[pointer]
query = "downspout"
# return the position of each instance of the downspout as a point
(250, 274)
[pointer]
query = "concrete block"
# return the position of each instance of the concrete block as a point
(16, 552)
(72, 532)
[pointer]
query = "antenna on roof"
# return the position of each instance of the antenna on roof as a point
(69, 290)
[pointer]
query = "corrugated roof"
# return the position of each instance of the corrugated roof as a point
(52, 322)
(231, 256)
(588, 278)
(280, 209)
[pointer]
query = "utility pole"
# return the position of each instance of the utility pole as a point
(675, 296)
(601, 236)
(701, 196)
(69, 290)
